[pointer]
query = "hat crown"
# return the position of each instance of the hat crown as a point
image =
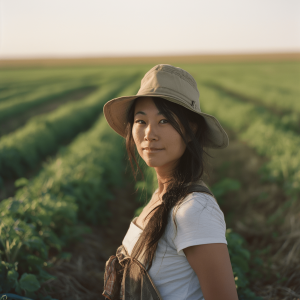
(184, 75)
(171, 81)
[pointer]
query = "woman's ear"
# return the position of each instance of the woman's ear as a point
(194, 127)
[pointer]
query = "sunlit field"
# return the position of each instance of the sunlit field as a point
(68, 195)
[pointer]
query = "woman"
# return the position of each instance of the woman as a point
(178, 240)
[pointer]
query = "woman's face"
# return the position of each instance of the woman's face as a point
(152, 130)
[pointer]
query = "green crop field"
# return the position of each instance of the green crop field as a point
(65, 179)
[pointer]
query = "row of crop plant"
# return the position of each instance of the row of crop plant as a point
(288, 119)
(276, 94)
(7, 93)
(52, 209)
(36, 86)
(280, 78)
(13, 79)
(282, 104)
(38, 90)
(39, 96)
(23, 149)
(264, 132)
(239, 255)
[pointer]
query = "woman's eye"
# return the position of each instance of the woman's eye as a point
(138, 121)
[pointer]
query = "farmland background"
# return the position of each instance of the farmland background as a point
(67, 193)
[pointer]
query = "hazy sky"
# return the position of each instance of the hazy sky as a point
(77, 28)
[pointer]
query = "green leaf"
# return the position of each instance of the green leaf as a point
(38, 244)
(29, 282)
(14, 206)
(34, 261)
(224, 186)
(18, 289)
(240, 263)
(31, 295)
(65, 256)
(21, 182)
(12, 276)
(44, 276)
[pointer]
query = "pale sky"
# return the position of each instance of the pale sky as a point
(86, 28)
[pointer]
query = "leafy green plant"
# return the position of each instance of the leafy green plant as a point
(222, 187)
(240, 262)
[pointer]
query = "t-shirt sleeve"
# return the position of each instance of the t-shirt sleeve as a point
(199, 221)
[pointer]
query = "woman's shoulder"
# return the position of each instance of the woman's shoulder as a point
(199, 220)
(199, 199)
(198, 202)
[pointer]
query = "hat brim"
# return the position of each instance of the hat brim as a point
(115, 112)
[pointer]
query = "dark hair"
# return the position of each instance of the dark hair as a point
(190, 168)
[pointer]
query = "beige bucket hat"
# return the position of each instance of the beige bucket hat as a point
(170, 83)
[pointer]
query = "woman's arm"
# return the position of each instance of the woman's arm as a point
(212, 265)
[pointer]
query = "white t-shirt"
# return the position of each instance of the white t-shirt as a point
(199, 221)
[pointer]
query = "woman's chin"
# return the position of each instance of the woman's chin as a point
(153, 163)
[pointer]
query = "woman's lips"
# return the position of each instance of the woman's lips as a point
(152, 150)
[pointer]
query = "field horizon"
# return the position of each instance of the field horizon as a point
(169, 59)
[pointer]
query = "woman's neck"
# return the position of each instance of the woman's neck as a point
(164, 176)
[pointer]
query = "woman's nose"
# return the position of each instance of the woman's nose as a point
(150, 133)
